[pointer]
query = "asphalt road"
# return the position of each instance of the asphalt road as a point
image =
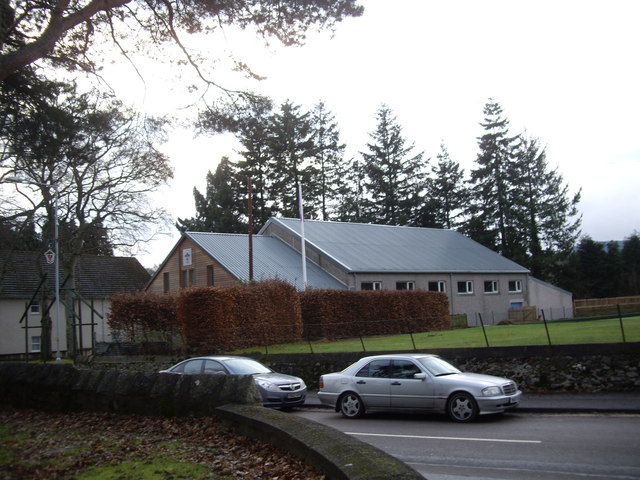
(511, 446)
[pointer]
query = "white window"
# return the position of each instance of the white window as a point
(405, 285)
(466, 287)
(491, 286)
(515, 286)
(34, 308)
(35, 344)
(371, 286)
(438, 286)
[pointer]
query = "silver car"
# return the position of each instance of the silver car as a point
(415, 382)
(277, 389)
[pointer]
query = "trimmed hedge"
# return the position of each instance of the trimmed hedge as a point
(334, 314)
(220, 319)
(226, 318)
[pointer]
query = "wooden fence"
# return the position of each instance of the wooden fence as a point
(591, 307)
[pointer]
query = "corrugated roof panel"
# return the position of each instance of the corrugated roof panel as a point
(272, 258)
(385, 248)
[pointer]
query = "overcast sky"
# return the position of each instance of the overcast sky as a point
(567, 72)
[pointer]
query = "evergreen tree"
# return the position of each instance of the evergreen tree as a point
(591, 260)
(329, 160)
(393, 174)
(612, 278)
(631, 261)
(292, 152)
(446, 192)
(545, 216)
(220, 209)
(490, 217)
(352, 202)
(253, 132)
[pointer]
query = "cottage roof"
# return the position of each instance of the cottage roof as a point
(95, 276)
(272, 258)
(361, 248)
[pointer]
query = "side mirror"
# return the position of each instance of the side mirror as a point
(420, 376)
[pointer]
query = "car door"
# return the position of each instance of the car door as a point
(213, 367)
(192, 367)
(406, 390)
(372, 383)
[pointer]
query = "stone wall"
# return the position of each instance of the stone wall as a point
(65, 388)
(557, 368)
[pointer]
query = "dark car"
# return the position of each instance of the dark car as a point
(277, 389)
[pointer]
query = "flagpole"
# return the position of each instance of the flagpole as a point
(302, 245)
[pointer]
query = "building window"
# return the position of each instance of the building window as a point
(187, 278)
(491, 286)
(210, 275)
(437, 287)
(166, 285)
(466, 287)
(515, 286)
(371, 286)
(35, 344)
(405, 285)
(34, 308)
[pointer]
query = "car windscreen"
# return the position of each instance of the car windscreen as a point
(437, 366)
(245, 366)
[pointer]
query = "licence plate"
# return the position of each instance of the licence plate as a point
(294, 395)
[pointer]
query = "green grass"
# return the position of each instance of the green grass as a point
(156, 469)
(560, 333)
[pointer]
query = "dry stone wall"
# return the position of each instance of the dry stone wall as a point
(537, 369)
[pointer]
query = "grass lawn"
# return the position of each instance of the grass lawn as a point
(560, 333)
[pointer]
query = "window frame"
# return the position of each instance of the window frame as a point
(495, 287)
(441, 286)
(36, 343)
(34, 307)
(468, 287)
(375, 286)
(408, 285)
(518, 286)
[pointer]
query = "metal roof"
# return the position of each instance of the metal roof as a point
(372, 248)
(272, 259)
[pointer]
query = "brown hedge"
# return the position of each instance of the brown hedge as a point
(333, 314)
(136, 316)
(218, 319)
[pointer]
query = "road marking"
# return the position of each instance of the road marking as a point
(428, 437)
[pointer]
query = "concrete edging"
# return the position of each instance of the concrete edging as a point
(337, 455)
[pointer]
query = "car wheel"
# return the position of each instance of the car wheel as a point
(351, 405)
(462, 407)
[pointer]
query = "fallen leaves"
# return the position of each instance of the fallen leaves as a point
(38, 445)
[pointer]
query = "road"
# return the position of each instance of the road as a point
(511, 446)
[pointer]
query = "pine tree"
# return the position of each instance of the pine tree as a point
(631, 261)
(352, 202)
(220, 209)
(489, 215)
(253, 132)
(329, 160)
(392, 174)
(544, 214)
(591, 262)
(446, 192)
(292, 152)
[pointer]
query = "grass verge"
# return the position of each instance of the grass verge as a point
(559, 333)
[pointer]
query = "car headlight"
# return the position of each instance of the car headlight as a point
(272, 387)
(491, 392)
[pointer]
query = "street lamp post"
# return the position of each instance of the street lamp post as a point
(56, 250)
